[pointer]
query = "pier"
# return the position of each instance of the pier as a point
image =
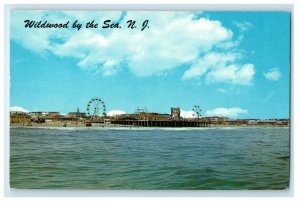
(95, 117)
(161, 123)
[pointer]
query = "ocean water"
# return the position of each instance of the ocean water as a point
(100, 158)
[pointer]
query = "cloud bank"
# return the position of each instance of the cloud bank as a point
(18, 109)
(115, 113)
(226, 112)
(174, 39)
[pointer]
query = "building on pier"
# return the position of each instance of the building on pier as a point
(175, 113)
(77, 114)
(19, 118)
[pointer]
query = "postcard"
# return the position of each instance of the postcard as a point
(150, 100)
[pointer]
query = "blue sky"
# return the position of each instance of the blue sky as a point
(233, 64)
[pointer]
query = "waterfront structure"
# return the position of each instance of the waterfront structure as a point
(235, 122)
(140, 110)
(42, 117)
(216, 120)
(39, 114)
(77, 114)
(151, 116)
(160, 123)
(175, 113)
(19, 118)
(141, 118)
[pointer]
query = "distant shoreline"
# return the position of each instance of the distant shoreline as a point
(124, 126)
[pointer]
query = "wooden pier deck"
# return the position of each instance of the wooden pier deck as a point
(161, 123)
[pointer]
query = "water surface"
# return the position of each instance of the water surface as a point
(89, 158)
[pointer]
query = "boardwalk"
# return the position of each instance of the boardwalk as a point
(161, 123)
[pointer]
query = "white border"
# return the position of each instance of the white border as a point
(63, 193)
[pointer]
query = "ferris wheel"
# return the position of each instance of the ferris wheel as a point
(197, 110)
(96, 107)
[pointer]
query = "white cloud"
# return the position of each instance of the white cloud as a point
(231, 43)
(115, 113)
(43, 40)
(229, 90)
(173, 39)
(18, 109)
(273, 74)
(218, 67)
(243, 26)
(210, 61)
(151, 52)
(233, 74)
(188, 114)
(226, 112)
